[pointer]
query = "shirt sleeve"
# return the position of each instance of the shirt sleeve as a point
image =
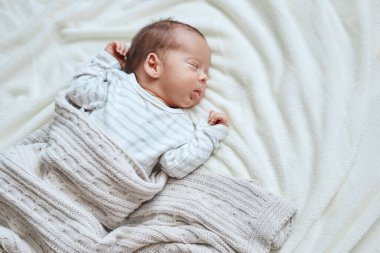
(88, 88)
(181, 161)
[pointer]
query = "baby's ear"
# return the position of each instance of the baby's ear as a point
(152, 65)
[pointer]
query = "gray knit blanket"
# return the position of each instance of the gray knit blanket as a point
(69, 188)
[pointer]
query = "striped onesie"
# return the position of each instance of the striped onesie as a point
(147, 129)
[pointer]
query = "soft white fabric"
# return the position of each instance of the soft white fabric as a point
(63, 184)
(298, 79)
(146, 128)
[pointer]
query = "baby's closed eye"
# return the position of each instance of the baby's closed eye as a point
(195, 65)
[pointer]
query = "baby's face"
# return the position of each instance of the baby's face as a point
(185, 70)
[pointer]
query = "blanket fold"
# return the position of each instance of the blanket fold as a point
(69, 188)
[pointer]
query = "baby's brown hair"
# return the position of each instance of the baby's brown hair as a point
(154, 38)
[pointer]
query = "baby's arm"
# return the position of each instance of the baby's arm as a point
(89, 86)
(181, 161)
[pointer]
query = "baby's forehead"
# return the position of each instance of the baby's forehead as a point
(192, 44)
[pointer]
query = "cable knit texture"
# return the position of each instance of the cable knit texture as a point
(69, 188)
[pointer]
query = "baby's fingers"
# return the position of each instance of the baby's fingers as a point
(119, 47)
(210, 116)
(122, 49)
(213, 117)
(217, 118)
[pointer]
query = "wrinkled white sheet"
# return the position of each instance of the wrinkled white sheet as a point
(298, 79)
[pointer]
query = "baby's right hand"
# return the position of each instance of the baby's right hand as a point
(117, 50)
(217, 118)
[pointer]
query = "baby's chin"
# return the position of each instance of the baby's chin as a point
(186, 104)
(192, 104)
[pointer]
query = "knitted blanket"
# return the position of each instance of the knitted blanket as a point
(69, 188)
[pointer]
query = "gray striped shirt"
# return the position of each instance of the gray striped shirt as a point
(147, 129)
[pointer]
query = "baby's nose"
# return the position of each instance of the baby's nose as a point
(203, 80)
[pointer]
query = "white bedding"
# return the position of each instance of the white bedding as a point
(298, 79)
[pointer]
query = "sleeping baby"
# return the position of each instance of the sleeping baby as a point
(140, 101)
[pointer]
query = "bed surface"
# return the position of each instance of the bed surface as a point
(299, 81)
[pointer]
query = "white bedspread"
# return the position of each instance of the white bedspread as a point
(298, 79)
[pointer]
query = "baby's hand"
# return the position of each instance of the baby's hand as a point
(117, 50)
(217, 118)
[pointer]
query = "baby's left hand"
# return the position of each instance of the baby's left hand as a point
(118, 51)
(217, 118)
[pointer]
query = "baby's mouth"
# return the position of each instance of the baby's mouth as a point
(196, 94)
